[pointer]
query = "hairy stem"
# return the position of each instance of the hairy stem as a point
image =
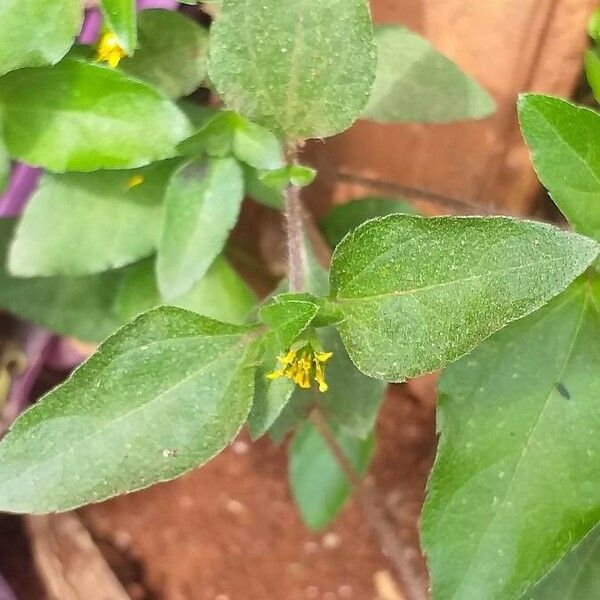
(375, 511)
(295, 230)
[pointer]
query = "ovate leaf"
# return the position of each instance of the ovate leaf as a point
(36, 32)
(120, 17)
(417, 293)
(515, 482)
(342, 219)
(288, 315)
(162, 396)
(291, 70)
(221, 294)
(202, 205)
(77, 223)
(576, 576)
(563, 139)
(319, 487)
(416, 83)
(82, 307)
(172, 52)
(84, 117)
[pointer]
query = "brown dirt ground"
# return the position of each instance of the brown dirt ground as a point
(230, 531)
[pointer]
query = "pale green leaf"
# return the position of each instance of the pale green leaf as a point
(120, 18)
(342, 219)
(291, 70)
(202, 205)
(319, 487)
(172, 52)
(82, 307)
(37, 32)
(515, 481)
(563, 139)
(221, 294)
(418, 293)
(81, 223)
(78, 116)
(163, 395)
(416, 83)
(576, 576)
(258, 191)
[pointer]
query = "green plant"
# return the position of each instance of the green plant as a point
(132, 218)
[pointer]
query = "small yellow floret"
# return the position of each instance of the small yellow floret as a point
(302, 365)
(109, 50)
(134, 181)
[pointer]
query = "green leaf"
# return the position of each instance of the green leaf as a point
(353, 399)
(592, 71)
(84, 117)
(221, 294)
(342, 219)
(577, 575)
(270, 395)
(81, 223)
(172, 52)
(297, 175)
(82, 307)
(563, 139)
(258, 191)
(515, 482)
(187, 382)
(292, 71)
(288, 315)
(319, 487)
(594, 25)
(120, 18)
(202, 205)
(418, 293)
(37, 32)
(416, 83)
(229, 133)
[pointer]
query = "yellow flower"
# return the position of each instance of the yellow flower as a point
(134, 181)
(109, 50)
(302, 365)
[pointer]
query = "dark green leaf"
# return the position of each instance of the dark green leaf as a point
(319, 487)
(342, 219)
(172, 52)
(221, 294)
(563, 139)
(202, 205)
(37, 32)
(291, 70)
(515, 482)
(577, 575)
(416, 83)
(120, 18)
(418, 293)
(82, 307)
(77, 116)
(81, 223)
(165, 394)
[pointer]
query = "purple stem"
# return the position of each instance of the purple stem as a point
(166, 4)
(23, 180)
(37, 343)
(6, 592)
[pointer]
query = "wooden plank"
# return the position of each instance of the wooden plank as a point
(509, 46)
